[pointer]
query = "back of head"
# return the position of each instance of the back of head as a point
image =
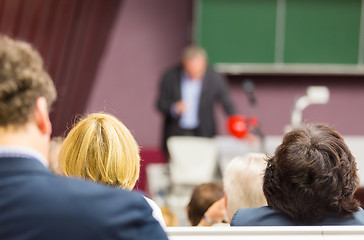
(243, 182)
(23, 80)
(202, 198)
(102, 149)
(311, 175)
(169, 217)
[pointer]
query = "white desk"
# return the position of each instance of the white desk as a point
(271, 233)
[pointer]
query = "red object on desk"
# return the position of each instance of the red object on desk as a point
(253, 122)
(237, 126)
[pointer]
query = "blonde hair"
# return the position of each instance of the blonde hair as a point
(102, 149)
(243, 182)
(169, 217)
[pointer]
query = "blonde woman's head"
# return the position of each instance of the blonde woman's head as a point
(102, 149)
(243, 182)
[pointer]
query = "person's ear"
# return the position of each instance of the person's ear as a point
(42, 117)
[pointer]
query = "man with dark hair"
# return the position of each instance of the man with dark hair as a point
(34, 203)
(311, 180)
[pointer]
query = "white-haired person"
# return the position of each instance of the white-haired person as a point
(243, 181)
(100, 148)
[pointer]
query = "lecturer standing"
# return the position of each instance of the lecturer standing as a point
(187, 94)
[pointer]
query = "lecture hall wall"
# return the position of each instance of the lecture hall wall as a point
(148, 37)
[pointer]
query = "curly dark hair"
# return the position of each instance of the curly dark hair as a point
(312, 174)
(22, 80)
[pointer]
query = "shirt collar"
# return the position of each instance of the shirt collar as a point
(185, 78)
(24, 152)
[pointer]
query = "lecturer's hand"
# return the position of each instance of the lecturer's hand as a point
(180, 107)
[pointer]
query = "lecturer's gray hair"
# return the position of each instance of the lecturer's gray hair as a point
(193, 51)
(243, 182)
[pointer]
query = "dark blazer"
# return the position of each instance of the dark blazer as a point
(35, 204)
(213, 89)
(266, 216)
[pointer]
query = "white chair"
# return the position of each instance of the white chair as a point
(193, 160)
(158, 182)
(230, 147)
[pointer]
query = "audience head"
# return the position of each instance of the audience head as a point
(55, 146)
(26, 93)
(203, 197)
(194, 60)
(243, 180)
(23, 81)
(312, 174)
(100, 148)
(169, 217)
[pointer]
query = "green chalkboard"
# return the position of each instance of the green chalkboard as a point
(237, 30)
(322, 31)
(310, 31)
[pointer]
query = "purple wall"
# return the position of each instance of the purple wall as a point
(149, 36)
(276, 96)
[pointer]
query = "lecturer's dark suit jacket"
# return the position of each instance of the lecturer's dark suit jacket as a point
(213, 89)
(35, 204)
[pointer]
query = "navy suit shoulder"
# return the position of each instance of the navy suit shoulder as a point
(36, 204)
(265, 216)
(261, 216)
